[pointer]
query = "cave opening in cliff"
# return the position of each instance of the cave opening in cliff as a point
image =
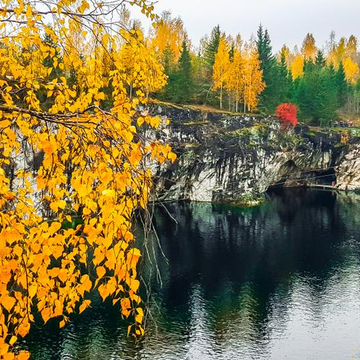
(292, 176)
(324, 177)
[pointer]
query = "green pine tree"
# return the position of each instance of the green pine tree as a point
(342, 85)
(320, 60)
(270, 97)
(317, 94)
(308, 95)
(329, 101)
(184, 78)
(231, 51)
(212, 48)
(284, 79)
(168, 93)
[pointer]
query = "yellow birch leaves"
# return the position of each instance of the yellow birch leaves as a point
(221, 67)
(253, 82)
(297, 67)
(73, 167)
(241, 76)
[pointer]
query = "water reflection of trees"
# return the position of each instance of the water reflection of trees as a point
(230, 281)
(248, 260)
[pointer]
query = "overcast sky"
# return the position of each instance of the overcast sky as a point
(288, 21)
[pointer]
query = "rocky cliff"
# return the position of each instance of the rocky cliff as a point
(232, 158)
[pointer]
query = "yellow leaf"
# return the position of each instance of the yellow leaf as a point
(109, 193)
(45, 313)
(54, 227)
(63, 276)
(4, 348)
(115, 301)
(23, 355)
(54, 206)
(7, 302)
(100, 272)
(99, 96)
(134, 297)
(85, 280)
(155, 122)
(12, 340)
(32, 290)
(133, 284)
(84, 306)
(172, 156)
(139, 317)
(8, 356)
(61, 204)
(54, 272)
(140, 121)
(5, 123)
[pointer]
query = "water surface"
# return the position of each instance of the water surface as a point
(281, 281)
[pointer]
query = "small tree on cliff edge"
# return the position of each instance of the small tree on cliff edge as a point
(287, 114)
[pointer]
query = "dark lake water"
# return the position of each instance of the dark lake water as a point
(281, 281)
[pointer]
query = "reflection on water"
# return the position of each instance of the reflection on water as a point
(277, 282)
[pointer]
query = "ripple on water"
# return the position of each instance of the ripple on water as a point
(277, 282)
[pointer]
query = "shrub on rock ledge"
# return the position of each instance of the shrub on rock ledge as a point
(287, 114)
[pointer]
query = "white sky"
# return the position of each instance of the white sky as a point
(288, 21)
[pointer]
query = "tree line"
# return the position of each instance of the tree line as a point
(223, 71)
(237, 75)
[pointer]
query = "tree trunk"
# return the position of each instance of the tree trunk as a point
(221, 94)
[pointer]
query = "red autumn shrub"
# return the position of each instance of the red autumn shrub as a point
(287, 114)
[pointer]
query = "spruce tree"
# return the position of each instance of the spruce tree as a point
(317, 95)
(284, 81)
(342, 85)
(231, 51)
(269, 99)
(329, 100)
(168, 93)
(309, 97)
(212, 48)
(210, 51)
(184, 77)
(320, 60)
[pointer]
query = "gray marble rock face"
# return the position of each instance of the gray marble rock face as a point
(223, 158)
(348, 170)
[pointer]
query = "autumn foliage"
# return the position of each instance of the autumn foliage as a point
(72, 101)
(287, 114)
(240, 76)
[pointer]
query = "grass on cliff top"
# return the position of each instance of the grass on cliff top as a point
(343, 116)
(202, 108)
